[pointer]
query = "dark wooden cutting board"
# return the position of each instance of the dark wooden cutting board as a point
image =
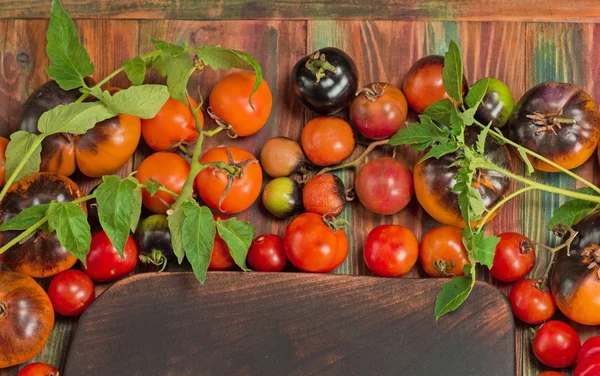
(289, 324)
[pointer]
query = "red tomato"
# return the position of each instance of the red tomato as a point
(556, 344)
(551, 373)
(391, 250)
(312, 246)
(171, 170)
(3, 145)
(514, 257)
(172, 126)
(588, 367)
(71, 292)
(530, 303)
(38, 369)
(220, 258)
(266, 253)
(590, 348)
(104, 263)
(443, 253)
(327, 140)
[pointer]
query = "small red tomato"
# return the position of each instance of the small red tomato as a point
(551, 373)
(266, 254)
(378, 111)
(514, 257)
(391, 250)
(220, 258)
(556, 344)
(71, 292)
(442, 252)
(327, 140)
(531, 303)
(591, 347)
(38, 369)
(104, 263)
(588, 367)
(172, 126)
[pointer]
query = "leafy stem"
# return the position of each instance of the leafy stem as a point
(28, 153)
(356, 162)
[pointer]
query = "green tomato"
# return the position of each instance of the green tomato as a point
(497, 104)
(283, 197)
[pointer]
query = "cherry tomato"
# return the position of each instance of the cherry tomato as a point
(588, 367)
(38, 369)
(266, 254)
(312, 246)
(551, 373)
(3, 144)
(281, 156)
(211, 182)
(173, 125)
(391, 250)
(531, 303)
(327, 140)
(497, 104)
(171, 171)
(590, 348)
(71, 292)
(229, 102)
(443, 253)
(282, 197)
(325, 195)
(514, 257)
(556, 344)
(104, 263)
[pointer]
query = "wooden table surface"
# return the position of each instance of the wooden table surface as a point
(520, 43)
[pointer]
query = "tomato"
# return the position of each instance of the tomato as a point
(282, 197)
(325, 195)
(384, 186)
(266, 253)
(3, 144)
(220, 258)
(531, 303)
(442, 252)
(325, 81)
(514, 257)
(71, 292)
(556, 344)
(391, 250)
(104, 263)
(229, 103)
(378, 111)
(26, 318)
(327, 140)
(171, 170)
(41, 255)
(435, 178)
(38, 369)
(423, 83)
(575, 280)
(172, 126)
(281, 157)
(588, 367)
(497, 104)
(211, 182)
(560, 121)
(153, 240)
(312, 246)
(551, 373)
(590, 348)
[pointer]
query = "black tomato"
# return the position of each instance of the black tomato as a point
(153, 240)
(497, 105)
(283, 197)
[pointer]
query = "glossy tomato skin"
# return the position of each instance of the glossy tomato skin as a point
(220, 258)
(211, 183)
(590, 348)
(311, 246)
(281, 157)
(153, 234)
(327, 140)
(531, 303)
(434, 180)
(38, 369)
(551, 373)
(324, 194)
(391, 250)
(576, 288)
(423, 83)
(497, 104)
(378, 111)
(229, 101)
(569, 145)
(26, 318)
(171, 170)
(384, 186)
(332, 92)
(42, 255)
(266, 253)
(3, 144)
(514, 257)
(173, 125)
(556, 344)
(442, 252)
(588, 367)
(282, 197)
(71, 292)
(104, 263)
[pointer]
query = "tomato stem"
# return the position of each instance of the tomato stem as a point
(212, 132)
(496, 207)
(28, 153)
(355, 163)
(185, 150)
(318, 65)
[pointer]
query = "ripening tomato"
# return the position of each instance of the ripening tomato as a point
(103, 263)
(327, 140)
(443, 253)
(514, 257)
(551, 373)
(266, 253)
(230, 102)
(71, 292)
(590, 348)
(38, 369)
(170, 170)
(531, 302)
(391, 250)
(588, 367)
(556, 344)
(172, 126)
(324, 194)
(3, 144)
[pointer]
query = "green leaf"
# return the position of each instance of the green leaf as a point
(72, 228)
(468, 116)
(440, 111)
(454, 293)
(152, 187)
(75, 118)
(467, 269)
(26, 218)
(116, 208)
(169, 48)
(143, 101)
(20, 143)
(452, 73)
(440, 150)
(69, 61)
(484, 248)
(528, 166)
(477, 92)
(457, 124)
(482, 138)
(176, 220)
(135, 69)
(573, 210)
(137, 208)
(177, 69)
(238, 235)
(420, 135)
(198, 237)
(476, 205)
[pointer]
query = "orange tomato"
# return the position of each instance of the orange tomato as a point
(170, 170)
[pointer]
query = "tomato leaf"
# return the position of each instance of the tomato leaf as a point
(20, 143)
(152, 187)
(69, 61)
(135, 69)
(420, 135)
(72, 228)
(477, 92)
(573, 210)
(528, 166)
(468, 116)
(454, 293)
(484, 248)
(169, 48)
(26, 218)
(75, 118)
(143, 101)
(176, 65)
(137, 207)
(176, 220)
(457, 124)
(482, 138)
(198, 237)
(440, 150)
(452, 73)
(440, 111)
(238, 235)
